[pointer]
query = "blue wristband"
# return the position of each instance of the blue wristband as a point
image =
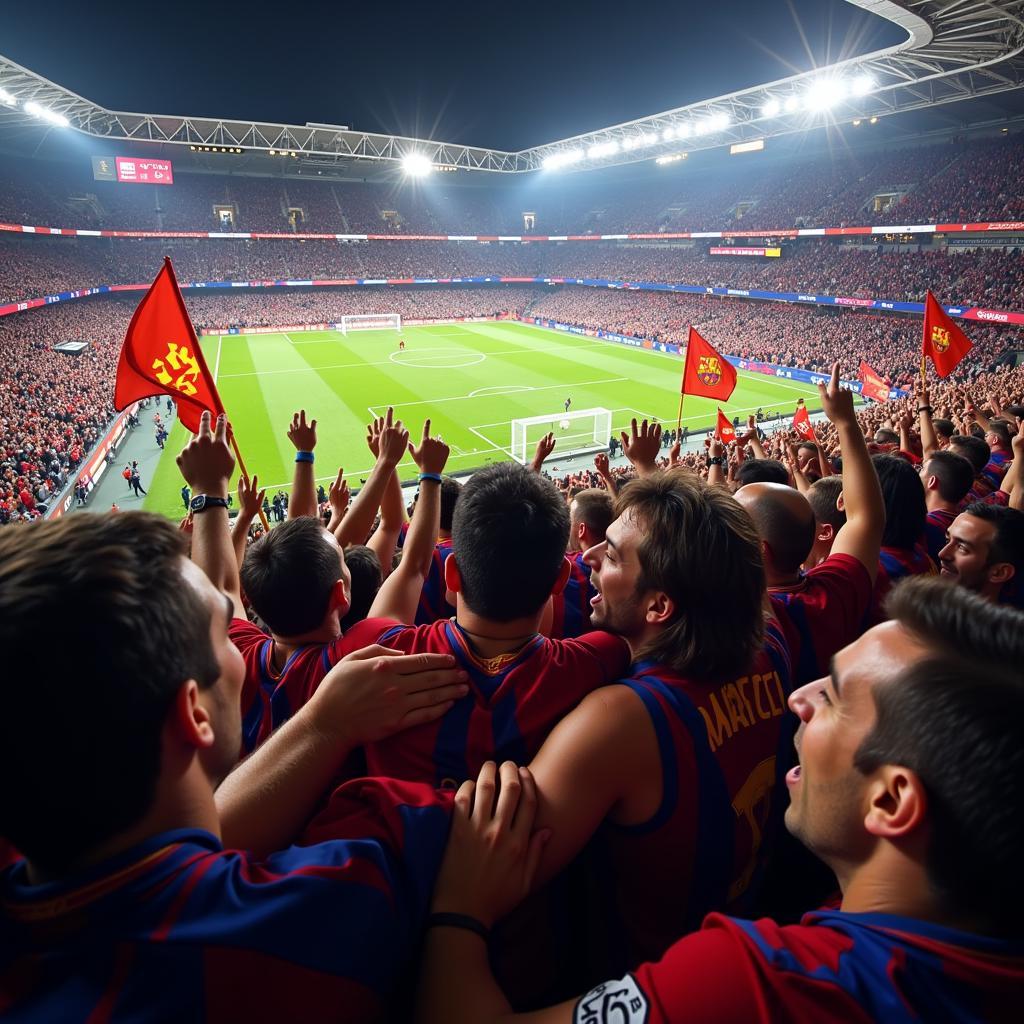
(303, 456)
(436, 477)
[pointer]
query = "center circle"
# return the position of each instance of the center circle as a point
(437, 358)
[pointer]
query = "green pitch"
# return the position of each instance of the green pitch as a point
(472, 380)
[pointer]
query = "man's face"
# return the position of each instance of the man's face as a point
(965, 558)
(223, 700)
(615, 567)
(827, 793)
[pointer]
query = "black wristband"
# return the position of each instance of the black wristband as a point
(925, 408)
(463, 921)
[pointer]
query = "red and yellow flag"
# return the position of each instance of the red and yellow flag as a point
(873, 385)
(725, 431)
(706, 372)
(943, 341)
(802, 422)
(161, 355)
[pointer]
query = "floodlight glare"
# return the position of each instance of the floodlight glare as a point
(791, 104)
(649, 138)
(668, 134)
(771, 108)
(7, 99)
(416, 165)
(683, 131)
(44, 114)
(824, 95)
(862, 85)
(719, 122)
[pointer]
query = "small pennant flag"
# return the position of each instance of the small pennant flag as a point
(707, 373)
(873, 385)
(802, 422)
(725, 431)
(943, 342)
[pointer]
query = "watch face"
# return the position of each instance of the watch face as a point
(198, 503)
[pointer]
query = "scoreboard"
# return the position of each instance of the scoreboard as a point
(133, 170)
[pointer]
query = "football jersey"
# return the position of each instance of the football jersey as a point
(724, 749)
(893, 565)
(571, 607)
(271, 697)
(514, 701)
(826, 610)
(935, 526)
(832, 968)
(433, 605)
(178, 928)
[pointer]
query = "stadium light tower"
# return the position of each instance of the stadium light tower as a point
(416, 165)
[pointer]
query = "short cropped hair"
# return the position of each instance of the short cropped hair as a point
(509, 535)
(595, 508)
(761, 471)
(367, 576)
(974, 449)
(823, 496)
(99, 632)
(1008, 545)
(1002, 430)
(944, 428)
(288, 575)
(955, 475)
(701, 548)
(450, 491)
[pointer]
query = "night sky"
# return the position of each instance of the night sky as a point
(504, 76)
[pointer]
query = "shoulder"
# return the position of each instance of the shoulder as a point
(838, 569)
(368, 632)
(245, 634)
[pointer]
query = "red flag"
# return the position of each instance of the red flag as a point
(943, 340)
(706, 373)
(802, 422)
(872, 384)
(725, 431)
(161, 355)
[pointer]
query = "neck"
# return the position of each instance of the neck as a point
(777, 579)
(493, 638)
(935, 502)
(285, 646)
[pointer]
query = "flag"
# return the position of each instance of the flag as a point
(725, 431)
(873, 385)
(161, 355)
(802, 422)
(706, 373)
(943, 340)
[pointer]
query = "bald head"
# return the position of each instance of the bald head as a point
(784, 520)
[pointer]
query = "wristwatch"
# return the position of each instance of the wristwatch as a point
(201, 502)
(716, 460)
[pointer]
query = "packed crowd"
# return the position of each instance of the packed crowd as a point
(734, 738)
(959, 181)
(994, 278)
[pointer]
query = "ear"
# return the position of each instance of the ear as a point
(340, 599)
(189, 719)
(931, 483)
(826, 532)
(660, 608)
(898, 804)
(452, 576)
(563, 576)
(840, 503)
(1001, 573)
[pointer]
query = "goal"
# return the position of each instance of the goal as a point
(370, 322)
(579, 432)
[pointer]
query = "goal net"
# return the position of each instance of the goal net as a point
(370, 322)
(578, 432)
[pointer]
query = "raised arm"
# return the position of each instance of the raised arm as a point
(250, 501)
(603, 467)
(356, 525)
(753, 439)
(207, 463)
(338, 496)
(1013, 482)
(392, 507)
(399, 595)
(716, 462)
(929, 438)
(545, 446)
(861, 534)
(303, 497)
(642, 446)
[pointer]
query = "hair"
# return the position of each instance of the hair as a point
(758, 471)
(883, 435)
(974, 449)
(595, 509)
(955, 475)
(1008, 545)
(960, 729)
(809, 445)
(450, 491)
(823, 497)
(944, 428)
(905, 508)
(509, 535)
(702, 549)
(289, 573)
(367, 577)
(1001, 429)
(99, 632)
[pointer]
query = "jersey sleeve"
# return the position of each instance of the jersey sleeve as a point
(245, 635)
(848, 591)
(608, 653)
(362, 634)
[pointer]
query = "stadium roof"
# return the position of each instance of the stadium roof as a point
(955, 51)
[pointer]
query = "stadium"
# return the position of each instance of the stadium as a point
(749, 369)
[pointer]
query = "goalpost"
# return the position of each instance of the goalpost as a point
(370, 322)
(580, 432)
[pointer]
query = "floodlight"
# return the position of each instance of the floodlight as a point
(7, 99)
(629, 144)
(416, 165)
(862, 85)
(873, 120)
(45, 114)
(791, 104)
(683, 131)
(771, 108)
(649, 138)
(719, 122)
(825, 94)
(668, 134)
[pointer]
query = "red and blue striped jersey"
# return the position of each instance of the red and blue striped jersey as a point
(514, 701)
(893, 565)
(269, 697)
(571, 607)
(826, 610)
(832, 968)
(935, 526)
(178, 928)
(725, 748)
(433, 605)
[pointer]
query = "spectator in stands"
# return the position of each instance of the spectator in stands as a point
(985, 552)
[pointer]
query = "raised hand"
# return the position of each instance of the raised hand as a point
(545, 446)
(250, 497)
(302, 434)
(207, 461)
(393, 439)
(642, 445)
(431, 455)
(338, 496)
(602, 465)
(836, 401)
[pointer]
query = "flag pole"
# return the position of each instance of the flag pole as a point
(202, 359)
(679, 414)
(682, 391)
